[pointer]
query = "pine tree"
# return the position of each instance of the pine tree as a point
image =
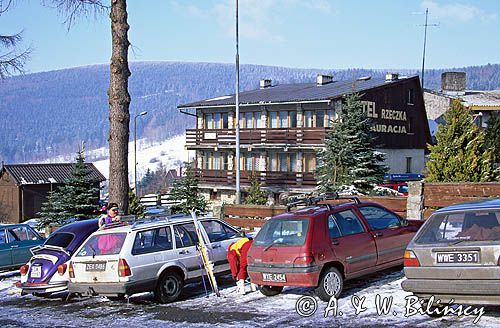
(185, 191)
(460, 154)
(134, 205)
(256, 196)
(77, 198)
(493, 137)
(349, 158)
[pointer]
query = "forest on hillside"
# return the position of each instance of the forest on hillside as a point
(52, 113)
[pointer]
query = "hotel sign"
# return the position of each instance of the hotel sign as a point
(397, 118)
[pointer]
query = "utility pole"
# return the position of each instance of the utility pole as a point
(425, 41)
(237, 114)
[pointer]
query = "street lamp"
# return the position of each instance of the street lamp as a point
(135, 150)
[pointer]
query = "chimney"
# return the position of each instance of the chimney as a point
(453, 83)
(391, 77)
(322, 79)
(265, 83)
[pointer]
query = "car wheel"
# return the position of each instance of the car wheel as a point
(169, 287)
(271, 290)
(331, 283)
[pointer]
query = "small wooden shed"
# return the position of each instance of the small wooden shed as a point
(24, 187)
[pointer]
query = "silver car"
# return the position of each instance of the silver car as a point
(159, 256)
(455, 256)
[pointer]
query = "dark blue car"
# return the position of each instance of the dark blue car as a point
(15, 243)
(46, 272)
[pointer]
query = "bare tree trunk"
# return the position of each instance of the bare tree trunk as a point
(119, 101)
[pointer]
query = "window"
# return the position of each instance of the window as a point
(103, 244)
(22, 233)
(283, 162)
(293, 162)
(293, 119)
(249, 120)
(411, 97)
(224, 121)
(379, 218)
(185, 235)
(217, 231)
(320, 118)
(348, 223)
(333, 227)
(214, 195)
(217, 121)
(151, 241)
(208, 121)
(3, 237)
(249, 162)
(308, 119)
(283, 119)
(408, 164)
(60, 239)
(273, 120)
(257, 116)
(309, 164)
(283, 232)
(214, 161)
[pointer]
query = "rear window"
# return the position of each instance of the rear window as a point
(285, 232)
(457, 227)
(60, 239)
(103, 244)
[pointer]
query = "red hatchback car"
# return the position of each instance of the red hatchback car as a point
(324, 244)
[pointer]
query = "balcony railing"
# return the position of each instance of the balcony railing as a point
(227, 137)
(266, 178)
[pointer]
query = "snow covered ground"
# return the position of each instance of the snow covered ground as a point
(250, 310)
(169, 153)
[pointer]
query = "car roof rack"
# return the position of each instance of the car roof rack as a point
(152, 219)
(310, 200)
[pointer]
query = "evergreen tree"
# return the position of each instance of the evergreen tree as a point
(185, 191)
(256, 196)
(134, 205)
(493, 137)
(460, 154)
(349, 158)
(77, 198)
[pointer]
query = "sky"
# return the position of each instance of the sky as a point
(333, 34)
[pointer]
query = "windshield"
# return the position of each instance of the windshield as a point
(448, 228)
(287, 232)
(103, 244)
(60, 239)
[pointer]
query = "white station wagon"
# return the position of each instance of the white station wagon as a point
(157, 256)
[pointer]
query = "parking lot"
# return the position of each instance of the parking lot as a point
(252, 309)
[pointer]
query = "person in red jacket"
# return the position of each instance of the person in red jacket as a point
(237, 257)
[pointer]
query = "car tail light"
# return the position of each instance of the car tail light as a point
(303, 261)
(71, 273)
(123, 268)
(61, 269)
(24, 269)
(410, 259)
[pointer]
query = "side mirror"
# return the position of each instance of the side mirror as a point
(404, 223)
(241, 234)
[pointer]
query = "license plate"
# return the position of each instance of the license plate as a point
(95, 266)
(274, 277)
(458, 257)
(36, 271)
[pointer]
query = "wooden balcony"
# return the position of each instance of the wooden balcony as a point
(196, 138)
(285, 180)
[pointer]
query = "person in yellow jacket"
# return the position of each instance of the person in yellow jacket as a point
(237, 257)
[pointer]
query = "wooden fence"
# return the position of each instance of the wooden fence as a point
(437, 195)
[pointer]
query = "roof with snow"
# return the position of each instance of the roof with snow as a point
(479, 100)
(25, 174)
(299, 92)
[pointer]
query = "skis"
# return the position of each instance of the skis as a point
(203, 243)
